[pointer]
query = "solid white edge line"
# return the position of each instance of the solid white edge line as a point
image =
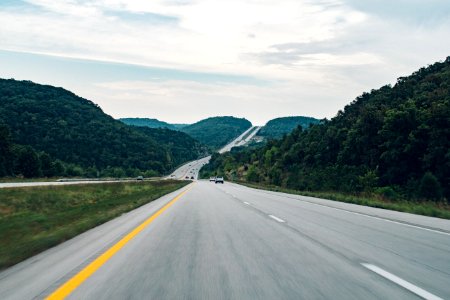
(365, 215)
(370, 216)
(403, 283)
(383, 219)
(277, 219)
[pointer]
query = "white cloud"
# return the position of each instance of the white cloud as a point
(319, 55)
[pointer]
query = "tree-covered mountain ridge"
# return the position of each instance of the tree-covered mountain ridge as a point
(278, 127)
(394, 140)
(217, 131)
(151, 123)
(47, 131)
(214, 131)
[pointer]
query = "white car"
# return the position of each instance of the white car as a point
(212, 179)
(219, 180)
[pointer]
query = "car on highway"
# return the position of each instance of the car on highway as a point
(140, 178)
(212, 179)
(192, 177)
(219, 180)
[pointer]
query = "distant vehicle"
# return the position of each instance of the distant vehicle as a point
(187, 177)
(192, 177)
(172, 175)
(219, 180)
(212, 179)
(139, 178)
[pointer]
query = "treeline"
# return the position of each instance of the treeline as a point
(75, 133)
(394, 141)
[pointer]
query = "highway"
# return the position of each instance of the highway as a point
(239, 140)
(191, 169)
(213, 241)
(246, 138)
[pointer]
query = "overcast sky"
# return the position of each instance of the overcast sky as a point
(184, 60)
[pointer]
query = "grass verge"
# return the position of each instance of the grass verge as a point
(33, 219)
(438, 210)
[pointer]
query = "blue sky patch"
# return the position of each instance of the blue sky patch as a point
(91, 71)
(145, 17)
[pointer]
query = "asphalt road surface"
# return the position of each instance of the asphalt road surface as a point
(232, 242)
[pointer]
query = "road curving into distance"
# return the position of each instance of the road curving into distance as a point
(232, 242)
(191, 169)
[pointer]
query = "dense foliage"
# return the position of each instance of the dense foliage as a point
(217, 131)
(278, 127)
(151, 123)
(394, 141)
(48, 131)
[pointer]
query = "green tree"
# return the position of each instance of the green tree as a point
(429, 187)
(368, 181)
(5, 151)
(46, 165)
(27, 162)
(252, 174)
(58, 168)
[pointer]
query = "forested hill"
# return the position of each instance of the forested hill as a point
(68, 132)
(394, 140)
(278, 127)
(217, 131)
(151, 123)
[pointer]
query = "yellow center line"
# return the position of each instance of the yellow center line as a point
(67, 288)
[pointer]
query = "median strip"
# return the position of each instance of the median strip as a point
(67, 288)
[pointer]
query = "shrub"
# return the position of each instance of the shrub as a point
(429, 187)
(386, 192)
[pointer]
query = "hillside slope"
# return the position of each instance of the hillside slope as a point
(394, 140)
(151, 123)
(217, 131)
(278, 127)
(75, 130)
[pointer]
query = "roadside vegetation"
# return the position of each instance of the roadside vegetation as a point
(33, 219)
(392, 144)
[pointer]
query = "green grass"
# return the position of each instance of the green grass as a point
(33, 219)
(438, 210)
